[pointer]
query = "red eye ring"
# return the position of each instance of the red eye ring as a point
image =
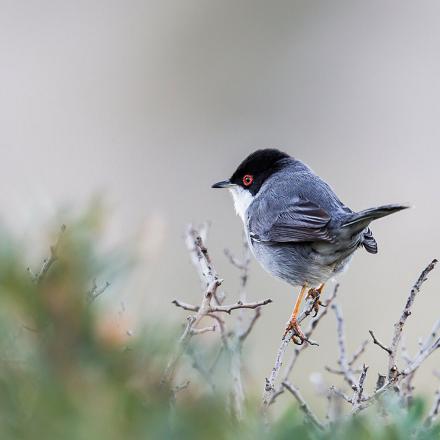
(247, 179)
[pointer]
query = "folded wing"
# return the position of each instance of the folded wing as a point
(301, 221)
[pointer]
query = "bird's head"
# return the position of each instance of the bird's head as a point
(247, 179)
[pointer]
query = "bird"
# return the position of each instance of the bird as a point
(296, 226)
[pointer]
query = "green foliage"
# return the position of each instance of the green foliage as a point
(67, 374)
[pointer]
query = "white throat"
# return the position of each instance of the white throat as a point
(242, 199)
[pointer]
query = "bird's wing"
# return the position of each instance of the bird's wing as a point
(302, 220)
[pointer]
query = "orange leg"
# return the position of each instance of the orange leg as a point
(293, 323)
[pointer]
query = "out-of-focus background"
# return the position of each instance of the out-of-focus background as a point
(148, 103)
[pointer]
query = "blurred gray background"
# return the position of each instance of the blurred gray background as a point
(149, 103)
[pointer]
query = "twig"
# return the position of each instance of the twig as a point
(398, 326)
(240, 333)
(299, 349)
(270, 393)
(185, 306)
(342, 361)
(211, 306)
(341, 394)
(399, 376)
(240, 305)
(377, 342)
(245, 333)
(200, 331)
(303, 405)
(359, 388)
(181, 346)
(224, 309)
(420, 358)
(358, 353)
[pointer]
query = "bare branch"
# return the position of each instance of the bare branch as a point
(399, 376)
(200, 331)
(342, 361)
(211, 306)
(299, 349)
(359, 388)
(420, 358)
(192, 321)
(303, 405)
(333, 370)
(240, 305)
(270, 393)
(239, 264)
(358, 353)
(181, 346)
(341, 394)
(185, 306)
(225, 309)
(245, 333)
(377, 342)
(398, 326)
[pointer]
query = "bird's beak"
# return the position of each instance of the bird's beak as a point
(223, 184)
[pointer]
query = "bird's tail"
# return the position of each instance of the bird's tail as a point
(360, 220)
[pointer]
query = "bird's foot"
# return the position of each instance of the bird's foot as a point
(315, 294)
(298, 337)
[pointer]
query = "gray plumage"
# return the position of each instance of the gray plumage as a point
(297, 227)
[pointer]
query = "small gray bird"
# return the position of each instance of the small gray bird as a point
(295, 224)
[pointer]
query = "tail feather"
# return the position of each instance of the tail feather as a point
(360, 220)
(368, 242)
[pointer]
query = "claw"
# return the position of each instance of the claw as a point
(315, 293)
(298, 336)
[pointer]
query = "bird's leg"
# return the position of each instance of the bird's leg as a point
(293, 323)
(315, 293)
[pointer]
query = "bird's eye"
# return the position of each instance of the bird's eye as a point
(247, 180)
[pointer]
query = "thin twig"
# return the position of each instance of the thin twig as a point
(211, 306)
(200, 331)
(341, 394)
(359, 388)
(269, 387)
(303, 405)
(342, 361)
(398, 326)
(241, 305)
(224, 309)
(399, 376)
(299, 349)
(380, 344)
(358, 353)
(245, 333)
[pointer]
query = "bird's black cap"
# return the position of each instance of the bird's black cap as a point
(255, 169)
